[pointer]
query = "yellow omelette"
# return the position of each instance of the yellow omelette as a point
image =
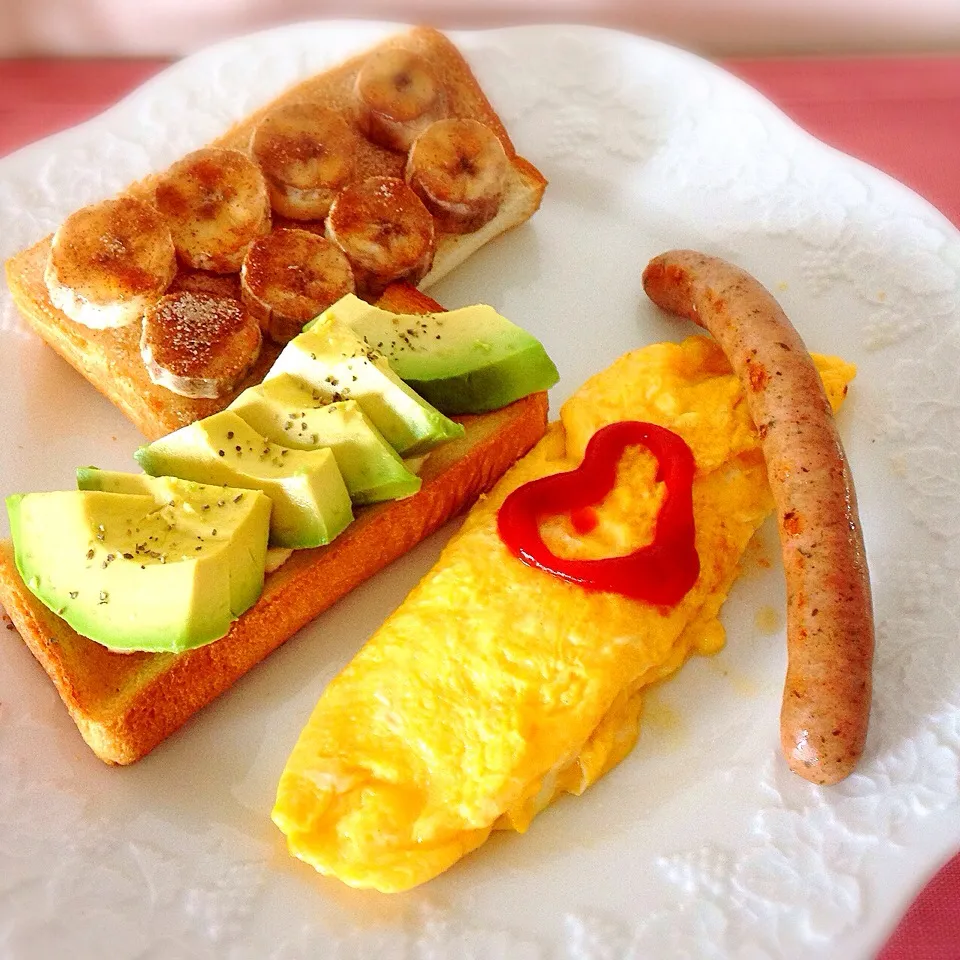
(495, 686)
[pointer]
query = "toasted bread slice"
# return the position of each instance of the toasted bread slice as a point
(110, 359)
(126, 703)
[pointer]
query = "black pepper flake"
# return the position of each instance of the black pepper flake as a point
(74, 594)
(229, 434)
(90, 554)
(221, 453)
(238, 498)
(128, 556)
(104, 596)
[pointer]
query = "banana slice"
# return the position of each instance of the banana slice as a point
(397, 96)
(216, 204)
(385, 231)
(288, 277)
(459, 169)
(306, 152)
(109, 262)
(198, 345)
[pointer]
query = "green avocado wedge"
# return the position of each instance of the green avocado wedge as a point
(339, 365)
(311, 504)
(470, 360)
(135, 571)
(288, 412)
(201, 496)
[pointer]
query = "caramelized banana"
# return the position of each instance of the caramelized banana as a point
(216, 204)
(306, 153)
(288, 277)
(385, 231)
(397, 96)
(198, 345)
(459, 169)
(108, 262)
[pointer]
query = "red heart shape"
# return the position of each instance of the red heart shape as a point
(663, 571)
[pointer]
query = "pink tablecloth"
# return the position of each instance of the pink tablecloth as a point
(901, 115)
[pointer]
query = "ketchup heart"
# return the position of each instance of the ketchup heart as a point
(663, 571)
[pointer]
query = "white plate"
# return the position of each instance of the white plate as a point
(699, 844)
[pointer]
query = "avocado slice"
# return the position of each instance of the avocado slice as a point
(339, 365)
(288, 412)
(469, 360)
(311, 505)
(143, 571)
(202, 495)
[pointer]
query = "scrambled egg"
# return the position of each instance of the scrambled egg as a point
(496, 687)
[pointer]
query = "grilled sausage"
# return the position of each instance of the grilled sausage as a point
(830, 639)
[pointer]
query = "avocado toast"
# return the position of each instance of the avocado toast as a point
(126, 703)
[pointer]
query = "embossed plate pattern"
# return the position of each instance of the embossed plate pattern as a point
(699, 844)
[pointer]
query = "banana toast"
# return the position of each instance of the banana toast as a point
(111, 358)
(124, 704)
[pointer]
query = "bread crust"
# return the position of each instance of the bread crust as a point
(124, 704)
(110, 359)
